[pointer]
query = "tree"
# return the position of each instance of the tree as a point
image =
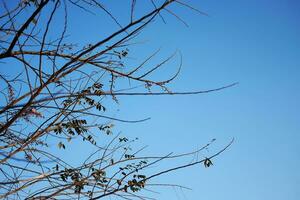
(56, 96)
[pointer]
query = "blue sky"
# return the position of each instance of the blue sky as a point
(255, 43)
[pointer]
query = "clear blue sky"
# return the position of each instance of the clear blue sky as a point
(255, 43)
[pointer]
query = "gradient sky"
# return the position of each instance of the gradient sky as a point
(255, 43)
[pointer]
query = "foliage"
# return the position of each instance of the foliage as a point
(54, 94)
